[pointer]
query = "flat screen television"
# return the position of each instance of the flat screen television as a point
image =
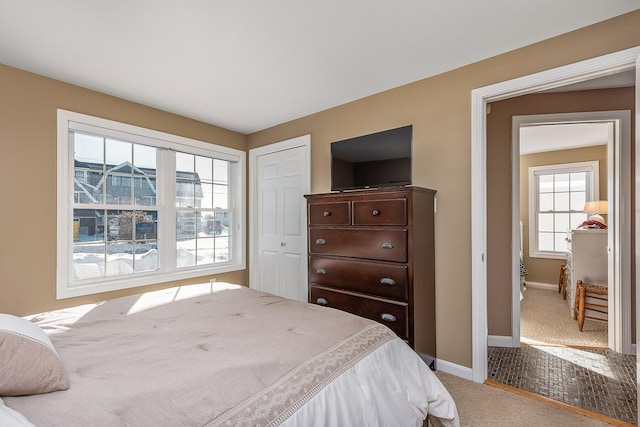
(379, 159)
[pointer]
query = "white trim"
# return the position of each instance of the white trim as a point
(254, 153)
(541, 285)
(502, 341)
(68, 121)
(561, 76)
(455, 369)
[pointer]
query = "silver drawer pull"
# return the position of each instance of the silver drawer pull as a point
(386, 245)
(388, 317)
(320, 242)
(387, 281)
(321, 271)
(375, 212)
(322, 301)
(326, 213)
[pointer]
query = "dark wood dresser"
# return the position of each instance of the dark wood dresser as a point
(371, 253)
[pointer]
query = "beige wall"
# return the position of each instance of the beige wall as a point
(28, 108)
(499, 182)
(546, 270)
(439, 109)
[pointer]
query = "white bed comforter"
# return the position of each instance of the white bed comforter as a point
(227, 355)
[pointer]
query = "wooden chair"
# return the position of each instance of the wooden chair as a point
(562, 281)
(598, 302)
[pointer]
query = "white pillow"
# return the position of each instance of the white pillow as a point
(30, 364)
(12, 418)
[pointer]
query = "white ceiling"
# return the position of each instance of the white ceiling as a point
(248, 65)
(541, 138)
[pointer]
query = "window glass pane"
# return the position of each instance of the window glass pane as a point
(88, 261)
(184, 163)
(118, 153)
(88, 225)
(88, 150)
(222, 249)
(560, 242)
(221, 171)
(545, 183)
(545, 222)
(145, 158)
(561, 202)
(546, 241)
(205, 251)
(88, 168)
(577, 219)
(578, 181)
(184, 194)
(207, 196)
(562, 222)
(144, 175)
(186, 225)
(222, 219)
(119, 258)
(119, 189)
(204, 169)
(577, 201)
(146, 225)
(208, 225)
(146, 256)
(561, 182)
(144, 188)
(546, 202)
(186, 253)
(221, 196)
(120, 225)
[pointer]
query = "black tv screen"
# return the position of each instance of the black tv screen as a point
(379, 159)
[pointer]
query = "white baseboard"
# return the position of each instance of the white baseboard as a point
(501, 341)
(549, 286)
(454, 369)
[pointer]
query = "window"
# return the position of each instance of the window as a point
(557, 194)
(138, 207)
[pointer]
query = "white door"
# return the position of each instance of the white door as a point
(280, 180)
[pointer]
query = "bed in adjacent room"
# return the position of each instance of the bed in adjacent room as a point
(209, 355)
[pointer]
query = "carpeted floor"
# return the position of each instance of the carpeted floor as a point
(595, 379)
(481, 405)
(545, 318)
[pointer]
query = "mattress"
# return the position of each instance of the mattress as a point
(221, 354)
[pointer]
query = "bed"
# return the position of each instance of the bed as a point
(216, 354)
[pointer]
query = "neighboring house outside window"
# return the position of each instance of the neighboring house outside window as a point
(557, 194)
(138, 207)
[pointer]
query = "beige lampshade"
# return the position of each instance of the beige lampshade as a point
(596, 207)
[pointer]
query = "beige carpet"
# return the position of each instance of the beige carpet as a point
(481, 405)
(545, 318)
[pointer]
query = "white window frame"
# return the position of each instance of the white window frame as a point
(593, 191)
(68, 122)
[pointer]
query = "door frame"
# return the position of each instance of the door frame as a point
(619, 218)
(480, 97)
(300, 141)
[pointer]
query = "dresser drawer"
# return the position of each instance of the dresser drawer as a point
(380, 212)
(394, 315)
(382, 244)
(334, 213)
(382, 279)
